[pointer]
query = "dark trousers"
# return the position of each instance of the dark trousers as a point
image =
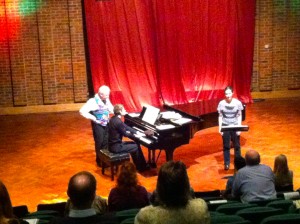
(135, 151)
(227, 137)
(100, 134)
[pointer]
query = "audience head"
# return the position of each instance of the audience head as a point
(281, 164)
(6, 211)
(82, 190)
(104, 92)
(239, 162)
(252, 158)
(173, 186)
(127, 177)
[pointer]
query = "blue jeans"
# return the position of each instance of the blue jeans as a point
(227, 137)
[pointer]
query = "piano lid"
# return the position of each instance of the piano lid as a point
(197, 109)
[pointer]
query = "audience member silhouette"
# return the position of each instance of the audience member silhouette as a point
(6, 209)
(82, 192)
(99, 204)
(283, 176)
(175, 202)
(239, 163)
(255, 181)
(128, 193)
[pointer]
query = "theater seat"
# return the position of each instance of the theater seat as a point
(257, 214)
(126, 214)
(208, 195)
(20, 211)
(128, 221)
(232, 219)
(232, 208)
(59, 207)
(282, 219)
(281, 204)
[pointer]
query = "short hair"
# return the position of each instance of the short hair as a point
(281, 164)
(104, 89)
(82, 189)
(127, 179)
(252, 158)
(6, 209)
(173, 186)
(239, 162)
(228, 87)
(118, 108)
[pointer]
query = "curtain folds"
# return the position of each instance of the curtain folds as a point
(166, 51)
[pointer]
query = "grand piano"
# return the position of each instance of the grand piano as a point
(168, 135)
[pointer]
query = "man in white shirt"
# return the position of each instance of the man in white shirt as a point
(97, 109)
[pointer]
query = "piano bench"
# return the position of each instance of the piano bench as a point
(112, 160)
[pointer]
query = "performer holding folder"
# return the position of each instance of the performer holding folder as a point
(230, 113)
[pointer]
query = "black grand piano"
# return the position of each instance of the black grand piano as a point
(169, 135)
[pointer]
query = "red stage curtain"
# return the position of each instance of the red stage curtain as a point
(166, 51)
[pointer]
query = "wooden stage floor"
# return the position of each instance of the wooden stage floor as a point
(40, 152)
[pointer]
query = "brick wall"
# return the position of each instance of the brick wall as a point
(43, 61)
(276, 64)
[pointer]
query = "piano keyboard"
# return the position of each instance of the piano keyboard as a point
(138, 129)
(146, 140)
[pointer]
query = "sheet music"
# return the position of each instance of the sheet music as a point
(134, 114)
(165, 126)
(170, 115)
(181, 121)
(151, 114)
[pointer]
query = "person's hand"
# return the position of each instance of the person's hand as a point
(97, 121)
(149, 132)
(238, 133)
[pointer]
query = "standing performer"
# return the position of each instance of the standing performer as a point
(97, 109)
(230, 113)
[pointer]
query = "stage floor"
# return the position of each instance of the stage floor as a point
(40, 152)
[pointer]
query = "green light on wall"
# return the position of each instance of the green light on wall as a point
(27, 7)
(295, 6)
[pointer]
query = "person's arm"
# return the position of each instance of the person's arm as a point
(220, 119)
(235, 187)
(239, 116)
(110, 106)
(124, 129)
(86, 109)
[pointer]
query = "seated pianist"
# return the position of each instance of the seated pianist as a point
(116, 130)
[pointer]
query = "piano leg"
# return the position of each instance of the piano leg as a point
(151, 158)
(169, 153)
